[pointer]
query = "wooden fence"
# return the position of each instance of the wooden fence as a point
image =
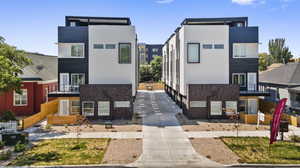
(151, 86)
(62, 120)
(46, 109)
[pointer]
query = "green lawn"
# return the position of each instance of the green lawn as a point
(64, 152)
(256, 150)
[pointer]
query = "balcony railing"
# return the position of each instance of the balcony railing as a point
(62, 89)
(254, 90)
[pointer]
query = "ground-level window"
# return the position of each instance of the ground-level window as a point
(193, 52)
(75, 107)
(215, 108)
(197, 103)
(239, 79)
(119, 104)
(231, 106)
(124, 53)
(103, 108)
(88, 108)
(242, 106)
(21, 99)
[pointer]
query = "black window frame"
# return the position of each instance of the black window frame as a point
(240, 74)
(119, 54)
(198, 53)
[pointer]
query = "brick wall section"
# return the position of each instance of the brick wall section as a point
(209, 92)
(109, 92)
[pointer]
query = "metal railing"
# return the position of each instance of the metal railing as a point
(66, 89)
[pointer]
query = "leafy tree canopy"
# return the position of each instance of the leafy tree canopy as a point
(12, 61)
(279, 52)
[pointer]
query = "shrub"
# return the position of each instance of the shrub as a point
(8, 116)
(2, 144)
(19, 147)
(5, 155)
(78, 146)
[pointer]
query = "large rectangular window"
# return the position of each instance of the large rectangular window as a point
(21, 99)
(124, 53)
(88, 108)
(193, 52)
(103, 108)
(231, 107)
(77, 79)
(245, 50)
(252, 106)
(77, 50)
(216, 108)
(239, 79)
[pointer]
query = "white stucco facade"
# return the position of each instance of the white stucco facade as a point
(104, 66)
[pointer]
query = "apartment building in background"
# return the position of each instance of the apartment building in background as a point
(211, 64)
(148, 51)
(97, 67)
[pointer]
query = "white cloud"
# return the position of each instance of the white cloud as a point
(248, 2)
(164, 1)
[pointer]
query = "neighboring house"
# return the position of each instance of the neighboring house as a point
(212, 63)
(282, 82)
(37, 80)
(148, 51)
(97, 67)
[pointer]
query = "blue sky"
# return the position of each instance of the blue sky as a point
(32, 24)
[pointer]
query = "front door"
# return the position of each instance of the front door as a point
(252, 84)
(64, 82)
(63, 107)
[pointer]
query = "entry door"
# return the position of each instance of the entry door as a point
(252, 83)
(64, 82)
(64, 107)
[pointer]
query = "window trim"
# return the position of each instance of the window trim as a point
(198, 53)
(82, 108)
(119, 54)
(239, 74)
(19, 95)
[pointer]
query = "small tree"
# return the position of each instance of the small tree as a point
(264, 61)
(279, 52)
(156, 68)
(145, 73)
(12, 61)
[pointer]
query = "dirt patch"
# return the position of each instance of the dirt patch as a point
(215, 125)
(215, 150)
(123, 151)
(99, 126)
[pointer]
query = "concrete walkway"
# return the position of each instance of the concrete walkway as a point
(165, 144)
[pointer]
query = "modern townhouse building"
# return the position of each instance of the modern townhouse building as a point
(97, 67)
(211, 64)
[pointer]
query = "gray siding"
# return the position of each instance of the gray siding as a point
(242, 65)
(74, 65)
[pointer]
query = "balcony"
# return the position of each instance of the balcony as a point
(65, 90)
(253, 90)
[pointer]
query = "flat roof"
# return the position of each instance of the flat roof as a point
(100, 20)
(214, 20)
